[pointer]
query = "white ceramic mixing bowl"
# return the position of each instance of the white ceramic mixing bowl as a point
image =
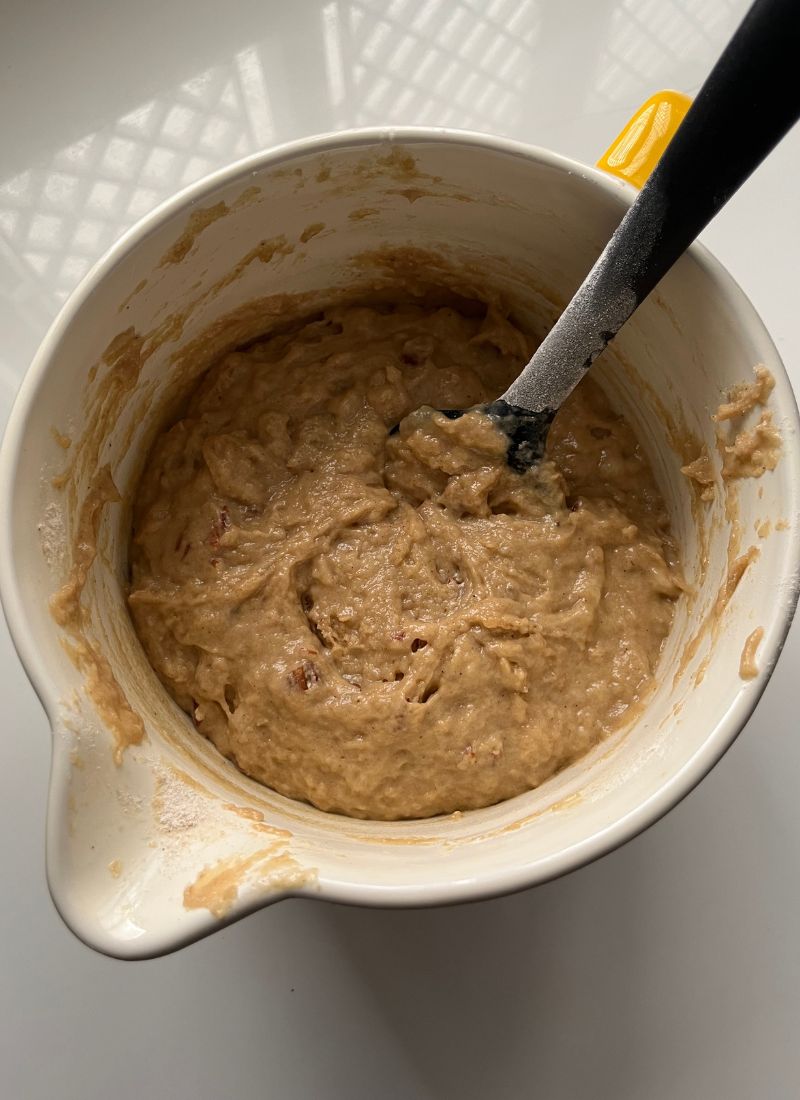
(158, 850)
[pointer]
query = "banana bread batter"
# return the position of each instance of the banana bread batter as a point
(395, 626)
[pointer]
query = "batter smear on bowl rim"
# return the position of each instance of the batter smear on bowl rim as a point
(397, 625)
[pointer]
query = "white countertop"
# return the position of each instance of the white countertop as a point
(670, 969)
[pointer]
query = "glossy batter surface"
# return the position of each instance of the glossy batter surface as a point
(394, 626)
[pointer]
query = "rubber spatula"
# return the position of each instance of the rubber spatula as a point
(747, 104)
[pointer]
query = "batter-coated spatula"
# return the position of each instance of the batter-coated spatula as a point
(747, 104)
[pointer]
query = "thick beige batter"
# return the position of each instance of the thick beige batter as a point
(397, 626)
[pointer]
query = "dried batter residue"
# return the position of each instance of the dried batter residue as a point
(748, 669)
(265, 251)
(311, 231)
(217, 887)
(410, 193)
(763, 528)
(115, 868)
(246, 812)
(133, 294)
(62, 440)
(748, 452)
(745, 453)
(745, 396)
(736, 570)
(399, 162)
(701, 471)
(66, 607)
(198, 221)
(753, 451)
(122, 363)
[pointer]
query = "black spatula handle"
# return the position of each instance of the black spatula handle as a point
(747, 104)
